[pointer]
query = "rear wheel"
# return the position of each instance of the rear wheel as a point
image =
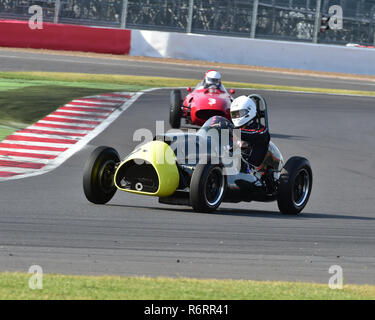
(98, 177)
(207, 187)
(295, 186)
(175, 112)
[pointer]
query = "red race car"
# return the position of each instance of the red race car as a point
(199, 105)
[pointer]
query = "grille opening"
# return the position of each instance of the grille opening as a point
(207, 114)
(138, 175)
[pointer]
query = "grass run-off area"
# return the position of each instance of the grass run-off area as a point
(58, 287)
(25, 101)
(5, 131)
(143, 82)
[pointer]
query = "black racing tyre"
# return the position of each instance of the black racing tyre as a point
(98, 182)
(295, 186)
(207, 187)
(175, 112)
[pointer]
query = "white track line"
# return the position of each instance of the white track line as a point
(24, 159)
(14, 170)
(78, 112)
(49, 136)
(77, 118)
(97, 102)
(35, 127)
(67, 124)
(51, 153)
(119, 99)
(99, 106)
(38, 144)
(96, 107)
(39, 126)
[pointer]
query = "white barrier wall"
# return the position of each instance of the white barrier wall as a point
(279, 54)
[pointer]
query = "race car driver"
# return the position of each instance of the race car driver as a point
(212, 78)
(255, 137)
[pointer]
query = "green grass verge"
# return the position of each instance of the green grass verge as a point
(25, 101)
(147, 81)
(15, 286)
(29, 104)
(8, 84)
(5, 131)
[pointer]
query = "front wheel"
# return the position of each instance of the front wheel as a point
(98, 176)
(175, 112)
(295, 186)
(207, 187)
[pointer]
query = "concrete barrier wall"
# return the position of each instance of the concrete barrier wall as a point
(279, 54)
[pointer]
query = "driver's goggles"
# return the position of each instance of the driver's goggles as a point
(239, 113)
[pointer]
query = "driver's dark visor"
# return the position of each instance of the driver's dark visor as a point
(239, 113)
(213, 80)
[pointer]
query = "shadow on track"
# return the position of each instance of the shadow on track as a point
(251, 213)
(288, 137)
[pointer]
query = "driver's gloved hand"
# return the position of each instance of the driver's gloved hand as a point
(250, 168)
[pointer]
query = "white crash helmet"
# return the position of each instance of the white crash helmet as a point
(243, 110)
(213, 77)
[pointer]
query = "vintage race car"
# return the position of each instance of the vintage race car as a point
(199, 105)
(166, 168)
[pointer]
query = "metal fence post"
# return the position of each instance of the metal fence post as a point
(57, 11)
(124, 13)
(317, 20)
(254, 18)
(190, 16)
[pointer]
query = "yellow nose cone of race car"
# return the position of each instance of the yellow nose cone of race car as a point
(149, 170)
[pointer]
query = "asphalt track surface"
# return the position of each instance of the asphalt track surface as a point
(46, 220)
(28, 61)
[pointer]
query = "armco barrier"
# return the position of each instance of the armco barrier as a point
(64, 37)
(268, 53)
